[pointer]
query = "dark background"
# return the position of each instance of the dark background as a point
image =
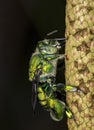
(22, 24)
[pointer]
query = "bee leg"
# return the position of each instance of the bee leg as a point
(60, 87)
(73, 89)
(68, 112)
(59, 91)
(70, 115)
(61, 56)
(70, 88)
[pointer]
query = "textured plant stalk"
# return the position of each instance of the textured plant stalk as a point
(80, 62)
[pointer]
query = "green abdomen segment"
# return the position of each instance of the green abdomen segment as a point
(57, 111)
(42, 97)
(56, 107)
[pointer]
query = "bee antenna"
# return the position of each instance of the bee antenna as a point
(60, 39)
(51, 33)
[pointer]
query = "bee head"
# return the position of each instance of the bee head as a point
(49, 46)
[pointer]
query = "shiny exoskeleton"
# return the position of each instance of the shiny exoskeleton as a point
(48, 99)
(42, 74)
(45, 60)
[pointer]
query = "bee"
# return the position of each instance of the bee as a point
(42, 66)
(42, 74)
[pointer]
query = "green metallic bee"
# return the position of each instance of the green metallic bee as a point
(43, 64)
(42, 70)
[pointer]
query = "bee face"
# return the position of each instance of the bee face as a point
(48, 46)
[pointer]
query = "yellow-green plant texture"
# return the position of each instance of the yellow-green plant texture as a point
(80, 62)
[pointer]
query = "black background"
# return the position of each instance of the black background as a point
(22, 24)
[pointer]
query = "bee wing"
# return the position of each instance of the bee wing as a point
(34, 96)
(35, 89)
